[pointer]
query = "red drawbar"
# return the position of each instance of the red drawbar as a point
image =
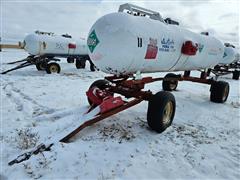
(189, 48)
(72, 46)
(110, 103)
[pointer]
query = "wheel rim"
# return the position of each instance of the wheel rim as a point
(53, 69)
(172, 85)
(42, 66)
(225, 93)
(167, 114)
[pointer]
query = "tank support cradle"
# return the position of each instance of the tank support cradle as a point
(233, 68)
(102, 97)
(129, 89)
(30, 60)
(41, 63)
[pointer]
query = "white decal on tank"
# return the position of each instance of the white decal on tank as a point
(167, 45)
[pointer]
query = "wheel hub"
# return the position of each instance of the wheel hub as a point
(225, 93)
(53, 69)
(42, 66)
(172, 85)
(167, 113)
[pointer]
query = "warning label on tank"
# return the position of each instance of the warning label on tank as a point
(152, 49)
(167, 45)
(92, 41)
(200, 47)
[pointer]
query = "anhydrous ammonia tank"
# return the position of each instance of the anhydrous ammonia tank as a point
(42, 43)
(124, 43)
(229, 56)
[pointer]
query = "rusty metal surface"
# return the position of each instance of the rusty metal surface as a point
(131, 88)
(130, 92)
(99, 118)
(197, 80)
(128, 88)
(118, 79)
(10, 46)
(186, 78)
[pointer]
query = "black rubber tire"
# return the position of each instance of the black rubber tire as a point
(80, 64)
(101, 84)
(70, 59)
(187, 73)
(92, 68)
(209, 72)
(53, 68)
(170, 85)
(217, 67)
(156, 114)
(236, 75)
(41, 66)
(219, 91)
(203, 75)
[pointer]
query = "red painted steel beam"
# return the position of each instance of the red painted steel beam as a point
(99, 118)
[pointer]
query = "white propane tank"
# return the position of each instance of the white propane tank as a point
(229, 56)
(42, 43)
(123, 43)
(237, 58)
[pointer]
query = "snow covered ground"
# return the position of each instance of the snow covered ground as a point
(203, 141)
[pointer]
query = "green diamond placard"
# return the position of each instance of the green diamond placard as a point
(92, 41)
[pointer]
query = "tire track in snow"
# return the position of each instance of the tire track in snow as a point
(23, 102)
(58, 114)
(61, 119)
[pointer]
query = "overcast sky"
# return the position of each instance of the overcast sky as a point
(19, 17)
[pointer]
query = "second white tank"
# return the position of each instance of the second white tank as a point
(41, 44)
